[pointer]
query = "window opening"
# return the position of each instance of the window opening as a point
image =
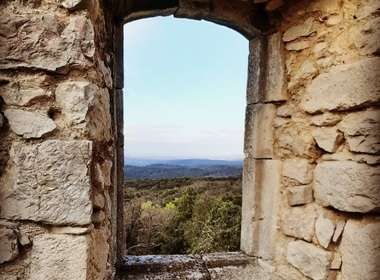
(184, 103)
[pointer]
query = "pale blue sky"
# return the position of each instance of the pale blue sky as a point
(184, 89)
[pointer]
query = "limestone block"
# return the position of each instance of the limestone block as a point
(324, 230)
(319, 49)
(285, 111)
(299, 222)
(59, 256)
(326, 119)
(367, 159)
(258, 142)
(337, 261)
(24, 91)
(266, 70)
(25, 241)
(8, 245)
(297, 46)
(338, 231)
(362, 131)
(345, 87)
(29, 124)
(327, 139)
(366, 37)
(360, 249)
(297, 141)
(368, 10)
(194, 9)
(72, 230)
(48, 182)
(306, 71)
(335, 19)
(299, 195)
(309, 27)
(347, 186)
(65, 46)
(309, 259)
(298, 169)
(327, 6)
(85, 105)
(260, 207)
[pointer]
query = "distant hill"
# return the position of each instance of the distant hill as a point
(182, 162)
(159, 171)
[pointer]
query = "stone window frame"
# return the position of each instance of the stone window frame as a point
(265, 90)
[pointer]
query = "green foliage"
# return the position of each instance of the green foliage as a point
(202, 216)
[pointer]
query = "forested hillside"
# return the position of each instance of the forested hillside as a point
(158, 171)
(183, 215)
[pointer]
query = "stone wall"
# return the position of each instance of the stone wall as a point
(57, 163)
(312, 168)
(311, 194)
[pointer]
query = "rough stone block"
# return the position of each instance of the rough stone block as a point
(324, 230)
(260, 206)
(298, 169)
(60, 46)
(8, 245)
(194, 9)
(299, 222)
(326, 119)
(309, 259)
(259, 138)
(360, 249)
(327, 139)
(266, 70)
(362, 131)
(309, 27)
(85, 106)
(347, 186)
(59, 256)
(345, 87)
(48, 182)
(338, 231)
(29, 124)
(299, 195)
(25, 91)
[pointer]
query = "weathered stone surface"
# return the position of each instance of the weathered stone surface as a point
(59, 256)
(194, 9)
(85, 106)
(337, 261)
(272, 5)
(24, 91)
(25, 241)
(326, 119)
(309, 259)
(299, 169)
(259, 138)
(366, 36)
(360, 249)
(285, 111)
(335, 19)
(362, 131)
(60, 45)
(338, 231)
(324, 230)
(327, 6)
(309, 27)
(296, 142)
(297, 46)
(327, 139)
(368, 10)
(306, 71)
(1, 120)
(347, 186)
(266, 70)
(346, 86)
(260, 207)
(318, 49)
(299, 195)
(29, 124)
(367, 159)
(8, 245)
(72, 230)
(48, 182)
(299, 222)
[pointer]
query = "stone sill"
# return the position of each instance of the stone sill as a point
(179, 266)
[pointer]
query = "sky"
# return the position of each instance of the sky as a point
(184, 89)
